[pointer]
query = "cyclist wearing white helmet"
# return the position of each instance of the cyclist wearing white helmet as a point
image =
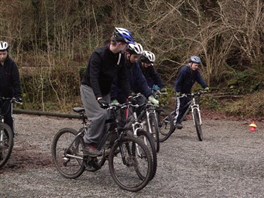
(188, 75)
(9, 81)
(137, 81)
(104, 66)
(147, 66)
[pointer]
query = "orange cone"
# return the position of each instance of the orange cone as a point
(253, 127)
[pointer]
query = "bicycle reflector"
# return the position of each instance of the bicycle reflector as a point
(253, 127)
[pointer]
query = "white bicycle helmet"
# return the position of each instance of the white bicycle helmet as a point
(148, 57)
(123, 35)
(195, 59)
(135, 48)
(3, 46)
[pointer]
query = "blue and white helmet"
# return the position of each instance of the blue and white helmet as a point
(135, 48)
(123, 35)
(3, 46)
(195, 59)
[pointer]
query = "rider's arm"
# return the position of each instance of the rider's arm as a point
(94, 69)
(141, 82)
(200, 80)
(156, 77)
(180, 80)
(16, 81)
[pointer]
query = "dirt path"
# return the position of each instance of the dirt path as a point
(229, 163)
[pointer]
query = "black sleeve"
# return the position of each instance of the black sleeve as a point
(95, 64)
(124, 79)
(156, 77)
(16, 81)
(200, 80)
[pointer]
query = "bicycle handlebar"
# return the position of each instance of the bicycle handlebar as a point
(12, 100)
(198, 93)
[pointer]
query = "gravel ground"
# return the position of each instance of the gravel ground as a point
(228, 163)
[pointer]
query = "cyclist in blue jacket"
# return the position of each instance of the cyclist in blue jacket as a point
(9, 81)
(137, 81)
(146, 63)
(188, 75)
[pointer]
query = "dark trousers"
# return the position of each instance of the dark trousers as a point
(6, 111)
(181, 107)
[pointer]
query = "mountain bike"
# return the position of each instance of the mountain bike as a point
(194, 108)
(6, 133)
(137, 124)
(130, 161)
(145, 114)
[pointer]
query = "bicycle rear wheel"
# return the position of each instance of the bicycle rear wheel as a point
(126, 165)
(154, 130)
(198, 124)
(166, 127)
(67, 153)
(6, 143)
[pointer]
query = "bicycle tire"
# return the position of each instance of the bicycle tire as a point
(154, 131)
(198, 125)
(165, 133)
(149, 142)
(6, 143)
(128, 158)
(68, 167)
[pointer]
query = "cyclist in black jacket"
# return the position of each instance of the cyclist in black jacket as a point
(104, 65)
(154, 81)
(9, 82)
(188, 75)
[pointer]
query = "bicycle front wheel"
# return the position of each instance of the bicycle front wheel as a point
(126, 164)
(154, 130)
(6, 143)
(198, 124)
(67, 153)
(148, 140)
(166, 127)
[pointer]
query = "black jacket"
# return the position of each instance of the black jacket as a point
(151, 76)
(9, 79)
(137, 83)
(103, 67)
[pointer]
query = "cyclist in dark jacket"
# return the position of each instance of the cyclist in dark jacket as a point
(104, 65)
(146, 63)
(188, 75)
(9, 82)
(137, 81)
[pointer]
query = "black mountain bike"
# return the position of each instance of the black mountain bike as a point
(130, 161)
(194, 108)
(6, 133)
(141, 127)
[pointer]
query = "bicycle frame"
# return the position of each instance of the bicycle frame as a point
(192, 105)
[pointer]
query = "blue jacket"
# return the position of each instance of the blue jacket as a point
(151, 76)
(137, 81)
(186, 79)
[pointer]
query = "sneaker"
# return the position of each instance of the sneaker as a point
(107, 151)
(91, 150)
(179, 126)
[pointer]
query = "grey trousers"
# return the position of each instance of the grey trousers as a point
(95, 114)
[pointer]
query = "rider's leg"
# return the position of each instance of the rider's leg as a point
(96, 115)
(181, 107)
